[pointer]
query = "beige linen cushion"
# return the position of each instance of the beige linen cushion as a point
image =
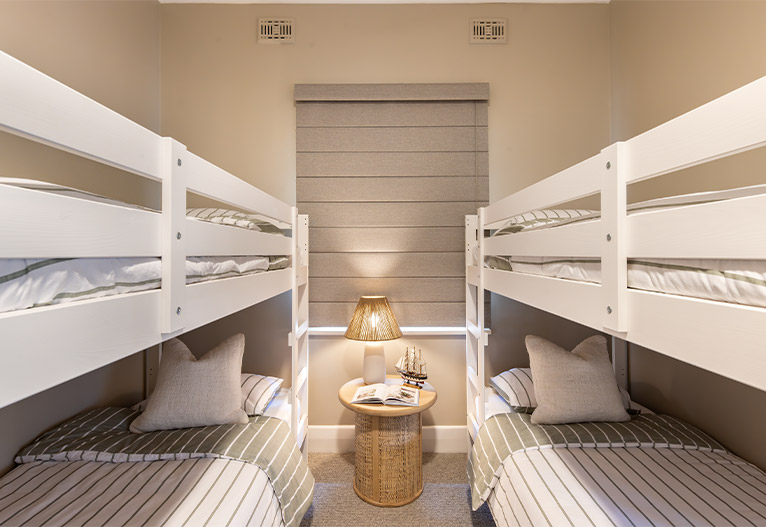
(576, 386)
(192, 392)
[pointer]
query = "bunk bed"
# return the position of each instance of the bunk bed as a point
(45, 345)
(516, 247)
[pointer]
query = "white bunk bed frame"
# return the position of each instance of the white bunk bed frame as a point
(728, 339)
(45, 346)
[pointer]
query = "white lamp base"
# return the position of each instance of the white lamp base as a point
(374, 366)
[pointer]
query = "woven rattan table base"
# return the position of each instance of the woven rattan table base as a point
(389, 470)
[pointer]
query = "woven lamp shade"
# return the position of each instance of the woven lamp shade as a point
(373, 321)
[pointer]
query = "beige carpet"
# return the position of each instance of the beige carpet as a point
(445, 501)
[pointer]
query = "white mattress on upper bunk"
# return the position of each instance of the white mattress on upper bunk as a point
(27, 283)
(734, 281)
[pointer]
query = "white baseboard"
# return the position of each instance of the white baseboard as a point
(340, 438)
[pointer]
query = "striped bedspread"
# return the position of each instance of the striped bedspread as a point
(653, 470)
(102, 435)
(192, 492)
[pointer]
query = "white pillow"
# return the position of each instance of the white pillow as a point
(193, 392)
(258, 391)
(574, 386)
(515, 386)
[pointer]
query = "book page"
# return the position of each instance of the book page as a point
(373, 393)
(402, 395)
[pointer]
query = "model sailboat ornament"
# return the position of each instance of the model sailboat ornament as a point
(412, 367)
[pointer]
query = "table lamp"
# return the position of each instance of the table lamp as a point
(373, 322)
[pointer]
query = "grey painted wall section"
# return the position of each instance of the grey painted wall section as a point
(387, 184)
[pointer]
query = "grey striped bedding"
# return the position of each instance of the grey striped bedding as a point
(101, 436)
(27, 283)
(234, 218)
(654, 470)
(547, 218)
(734, 281)
(182, 492)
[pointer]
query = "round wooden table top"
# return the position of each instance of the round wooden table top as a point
(346, 393)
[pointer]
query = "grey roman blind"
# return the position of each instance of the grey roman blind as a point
(386, 173)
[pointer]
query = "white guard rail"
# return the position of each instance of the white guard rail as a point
(695, 331)
(60, 342)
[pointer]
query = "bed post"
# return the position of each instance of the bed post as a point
(475, 339)
(614, 243)
(299, 339)
(173, 293)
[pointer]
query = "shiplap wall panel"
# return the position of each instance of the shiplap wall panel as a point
(397, 289)
(385, 240)
(392, 139)
(339, 164)
(378, 265)
(439, 214)
(387, 176)
(371, 189)
(426, 314)
(371, 114)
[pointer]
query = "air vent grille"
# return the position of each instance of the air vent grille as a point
(488, 31)
(275, 30)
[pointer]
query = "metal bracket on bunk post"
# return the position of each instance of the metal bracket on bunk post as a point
(173, 242)
(614, 264)
(620, 361)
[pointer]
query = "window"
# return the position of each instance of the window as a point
(386, 174)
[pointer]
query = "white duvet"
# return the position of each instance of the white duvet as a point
(26, 283)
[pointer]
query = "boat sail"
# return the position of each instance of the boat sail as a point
(412, 367)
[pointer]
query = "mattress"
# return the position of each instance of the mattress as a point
(279, 406)
(26, 283)
(734, 281)
(92, 471)
(653, 470)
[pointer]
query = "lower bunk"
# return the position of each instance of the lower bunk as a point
(652, 470)
(562, 444)
(210, 446)
(92, 470)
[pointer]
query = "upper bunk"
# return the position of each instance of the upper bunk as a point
(604, 286)
(46, 345)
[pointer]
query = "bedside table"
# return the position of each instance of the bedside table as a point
(389, 451)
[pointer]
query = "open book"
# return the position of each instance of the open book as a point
(387, 394)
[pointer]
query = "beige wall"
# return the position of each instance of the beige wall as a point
(336, 360)
(110, 52)
(667, 58)
(107, 50)
(231, 100)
